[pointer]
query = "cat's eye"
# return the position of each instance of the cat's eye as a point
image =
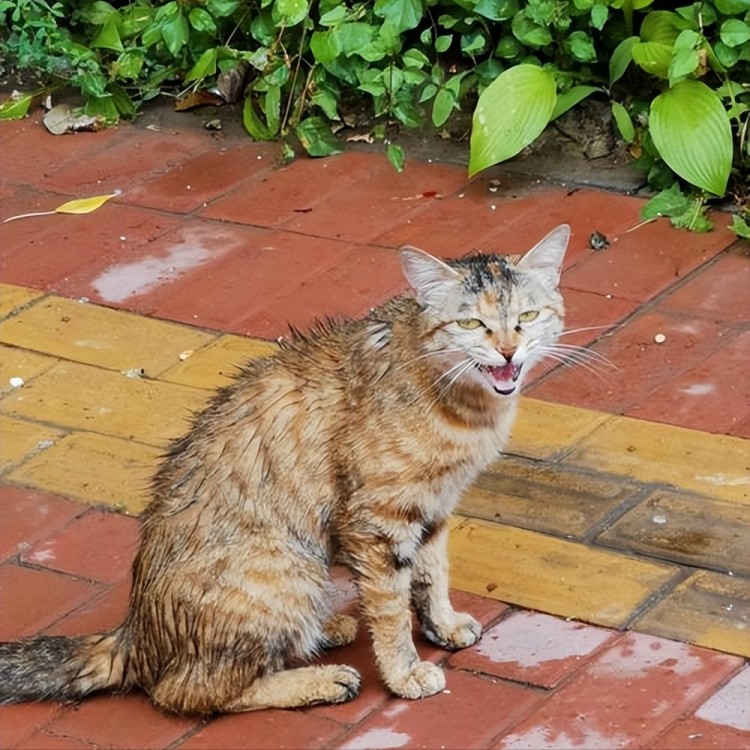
(528, 316)
(470, 324)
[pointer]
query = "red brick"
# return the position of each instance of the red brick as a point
(302, 186)
(266, 730)
(20, 721)
(533, 648)
(34, 155)
(364, 208)
(255, 266)
(645, 262)
(32, 599)
(741, 429)
(642, 364)
(626, 697)
(44, 741)
(123, 158)
(468, 714)
(99, 546)
(199, 180)
(101, 614)
(44, 252)
(120, 721)
(718, 291)
(27, 515)
(713, 396)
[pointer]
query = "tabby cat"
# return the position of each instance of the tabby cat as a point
(350, 444)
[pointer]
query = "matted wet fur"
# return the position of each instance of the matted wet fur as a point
(351, 444)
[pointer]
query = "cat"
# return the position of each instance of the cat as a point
(350, 444)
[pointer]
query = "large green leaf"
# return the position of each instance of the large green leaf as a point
(621, 58)
(691, 130)
(653, 57)
(511, 112)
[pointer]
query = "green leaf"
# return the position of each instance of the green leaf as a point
(623, 122)
(316, 137)
(129, 64)
(272, 108)
(327, 101)
(442, 106)
(16, 109)
(529, 33)
(653, 57)
(496, 10)
(401, 15)
(683, 63)
(660, 26)
(205, 65)
(740, 227)
(104, 107)
(325, 46)
(570, 98)
(395, 155)
(511, 112)
(669, 202)
(202, 21)
(109, 35)
(732, 7)
(253, 124)
(581, 46)
(222, 8)
(175, 32)
(621, 58)
(289, 12)
(443, 42)
(599, 16)
(692, 133)
(734, 32)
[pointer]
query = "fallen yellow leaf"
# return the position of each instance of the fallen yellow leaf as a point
(78, 206)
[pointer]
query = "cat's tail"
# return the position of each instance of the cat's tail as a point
(61, 668)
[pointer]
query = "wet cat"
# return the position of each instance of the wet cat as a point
(350, 444)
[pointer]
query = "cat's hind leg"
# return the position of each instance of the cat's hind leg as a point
(295, 688)
(429, 595)
(338, 631)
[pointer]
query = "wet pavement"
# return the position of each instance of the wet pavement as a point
(606, 554)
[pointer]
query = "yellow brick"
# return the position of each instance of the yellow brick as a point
(545, 430)
(99, 336)
(94, 468)
(14, 297)
(540, 572)
(89, 398)
(714, 465)
(21, 363)
(215, 364)
(709, 609)
(19, 439)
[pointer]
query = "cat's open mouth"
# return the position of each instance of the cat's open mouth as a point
(502, 377)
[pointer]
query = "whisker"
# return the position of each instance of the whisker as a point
(574, 351)
(567, 361)
(569, 331)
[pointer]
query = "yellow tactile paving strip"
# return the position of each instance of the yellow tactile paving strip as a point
(602, 518)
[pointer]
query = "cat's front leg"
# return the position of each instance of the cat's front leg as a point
(429, 595)
(384, 587)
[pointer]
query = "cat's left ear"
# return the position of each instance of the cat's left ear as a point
(546, 257)
(429, 277)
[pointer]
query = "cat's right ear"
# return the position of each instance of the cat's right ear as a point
(429, 277)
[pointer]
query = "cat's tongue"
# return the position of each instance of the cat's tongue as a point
(504, 377)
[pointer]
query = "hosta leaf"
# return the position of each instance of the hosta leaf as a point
(653, 57)
(511, 112)
(692, 133)
(570, 98)
(621, 58)
(623, 121)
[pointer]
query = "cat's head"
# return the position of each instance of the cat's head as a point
(492, 315)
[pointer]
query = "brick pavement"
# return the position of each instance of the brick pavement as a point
(606, 555)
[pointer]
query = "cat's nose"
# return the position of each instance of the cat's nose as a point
(507, 352)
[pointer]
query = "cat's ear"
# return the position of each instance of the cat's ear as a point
(429, 277)
(546, 257)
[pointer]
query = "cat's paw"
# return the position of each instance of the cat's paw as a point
(346, 683)
(423, 679)
(456, 632)
(339, 630)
